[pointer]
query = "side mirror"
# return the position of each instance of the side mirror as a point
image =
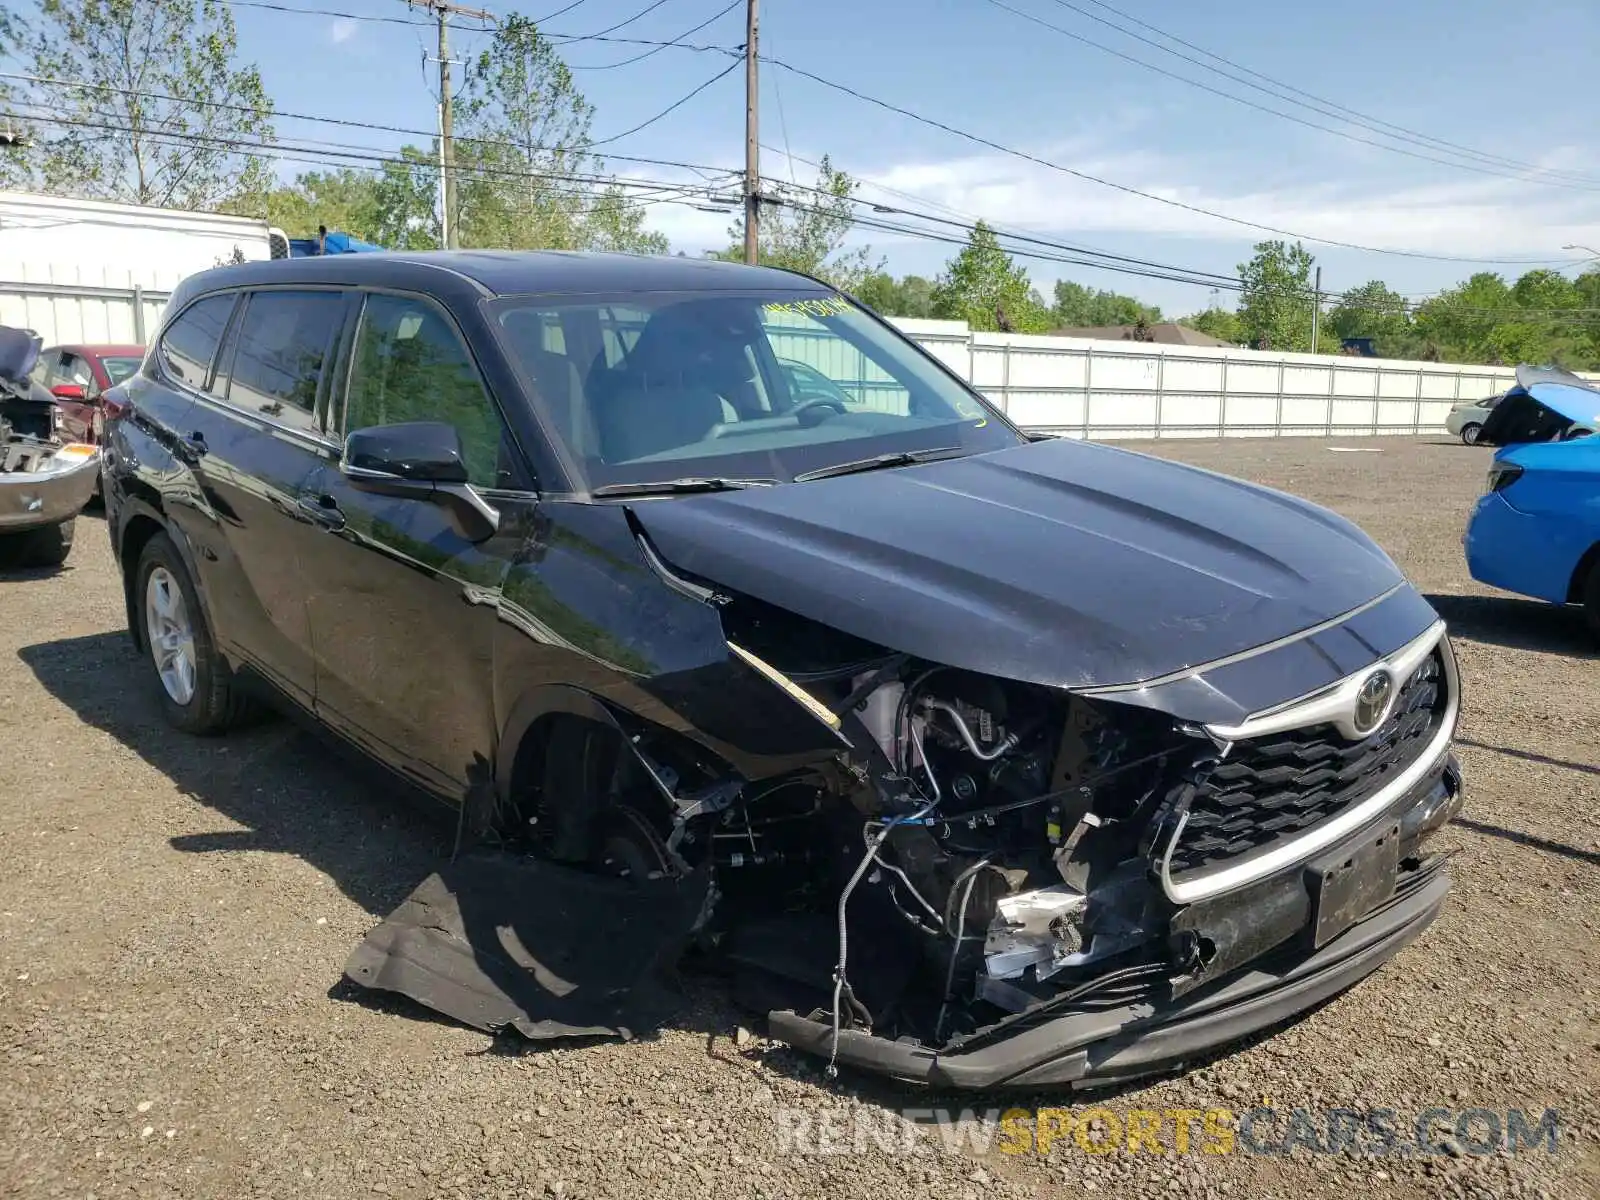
(418, 451)
(69, 391)
(420, 460)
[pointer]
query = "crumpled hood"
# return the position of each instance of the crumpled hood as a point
(1063, 563)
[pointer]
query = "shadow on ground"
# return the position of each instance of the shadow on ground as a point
(291, 792)
(1529, 840)
(1517, 624)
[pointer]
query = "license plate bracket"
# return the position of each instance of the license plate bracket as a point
(1349, 884)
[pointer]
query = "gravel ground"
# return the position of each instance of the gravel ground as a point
(174, 916)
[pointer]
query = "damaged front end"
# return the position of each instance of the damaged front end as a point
(968, 881)
(1003, 883)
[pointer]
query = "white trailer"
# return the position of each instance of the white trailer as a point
(93, 271)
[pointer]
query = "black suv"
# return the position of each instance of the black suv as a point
(724, 614)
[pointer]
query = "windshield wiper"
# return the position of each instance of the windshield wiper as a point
(669, 487)
(901, 458)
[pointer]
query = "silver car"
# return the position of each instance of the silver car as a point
(1466, 419)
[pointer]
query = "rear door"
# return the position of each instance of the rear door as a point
(402, 604)
(253, 438)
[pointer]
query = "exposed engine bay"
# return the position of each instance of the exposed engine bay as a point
(979, 851)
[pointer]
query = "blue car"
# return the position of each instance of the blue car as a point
(1537, 529)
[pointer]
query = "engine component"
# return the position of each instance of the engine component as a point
(1042, 929)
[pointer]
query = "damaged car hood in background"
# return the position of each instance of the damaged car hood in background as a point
(1061, 563)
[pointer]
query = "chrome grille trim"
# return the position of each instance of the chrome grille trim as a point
(1298, 849)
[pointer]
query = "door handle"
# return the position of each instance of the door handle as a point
(324, 510)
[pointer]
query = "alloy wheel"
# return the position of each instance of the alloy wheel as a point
(170, 634)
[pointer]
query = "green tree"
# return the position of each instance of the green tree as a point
(804, 229)
(521, 138)
(983, 287)
(1077, 306)
(1373, 310)
(16, 141)
(908, 297)
(1275, 301)
(614, 222)
(116, 57)
(1219, 323)
(345, 200)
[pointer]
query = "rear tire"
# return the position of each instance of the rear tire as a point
(1469, 434)
(195, 687)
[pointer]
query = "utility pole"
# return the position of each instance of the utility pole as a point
(1316, 309)
(752, 134)
(442, 11)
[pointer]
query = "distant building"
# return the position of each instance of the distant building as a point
(1167, 333)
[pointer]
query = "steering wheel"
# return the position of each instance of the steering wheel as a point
(813, 404)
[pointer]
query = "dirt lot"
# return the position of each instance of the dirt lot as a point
(174, 916)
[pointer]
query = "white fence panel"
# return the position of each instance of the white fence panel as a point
(1098, 389)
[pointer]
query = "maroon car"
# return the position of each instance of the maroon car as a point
(78, 376)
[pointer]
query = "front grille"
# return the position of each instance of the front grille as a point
(1279, 786)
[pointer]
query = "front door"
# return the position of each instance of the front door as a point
(402, 603)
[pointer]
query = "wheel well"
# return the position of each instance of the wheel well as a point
(135, 537)
(526, 781)
(1580, 573)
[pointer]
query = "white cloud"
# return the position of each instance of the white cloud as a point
(342, 31)
(1482, 218)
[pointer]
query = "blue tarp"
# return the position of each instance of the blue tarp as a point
(333, 243)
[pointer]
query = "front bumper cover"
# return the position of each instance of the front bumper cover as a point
(36, 499)
(1149, 1036)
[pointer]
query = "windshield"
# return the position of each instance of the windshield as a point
(119, 367)
(673, 385)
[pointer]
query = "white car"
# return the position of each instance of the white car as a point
(1466, 419)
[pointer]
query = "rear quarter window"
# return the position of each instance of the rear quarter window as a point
(190, 343)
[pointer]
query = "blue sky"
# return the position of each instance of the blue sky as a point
(1509, 80)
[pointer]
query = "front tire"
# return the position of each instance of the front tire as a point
(47, 547)
(194, 684)
(1469, 434)
(1591, 600)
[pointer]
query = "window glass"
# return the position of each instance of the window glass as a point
(283, 346)
(43, 367)
(74, 369)
(190, 342)
(820, 366)
(410, 365)
(119, 367)
(760, 385)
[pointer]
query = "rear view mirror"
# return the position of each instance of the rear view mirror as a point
(68, 391)
(422, 460)
(420, 451)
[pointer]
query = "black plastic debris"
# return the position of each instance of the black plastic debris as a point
(500, 942)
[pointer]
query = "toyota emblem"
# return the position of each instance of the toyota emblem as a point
(1372, 702)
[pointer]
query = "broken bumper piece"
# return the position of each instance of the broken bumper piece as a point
(501, 942)
(1110, 1046)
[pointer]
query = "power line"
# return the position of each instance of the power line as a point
(676, 104)
(643, 12)
(970, 219)
(675, 42)
(1265, 108)
(321, 120)
(1133, 191)
(1400, 132)
(344, 154)
(1574, 315)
